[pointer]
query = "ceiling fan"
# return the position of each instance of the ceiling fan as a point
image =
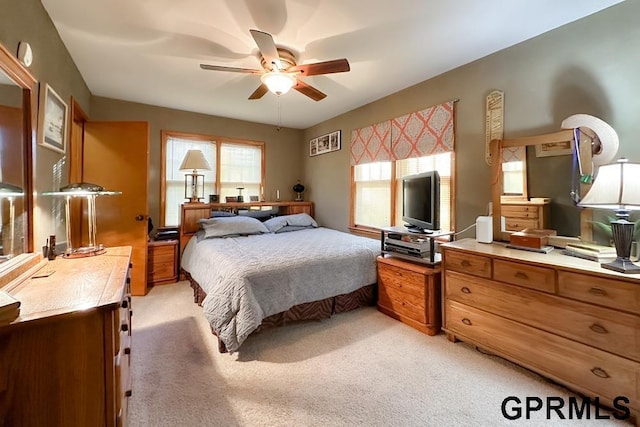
(280, 71)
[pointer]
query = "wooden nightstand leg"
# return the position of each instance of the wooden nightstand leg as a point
(451, 337)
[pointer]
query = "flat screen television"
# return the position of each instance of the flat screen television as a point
(421, 202)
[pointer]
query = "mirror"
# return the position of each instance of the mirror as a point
(17, 130)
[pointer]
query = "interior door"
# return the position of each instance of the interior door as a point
(116, 157)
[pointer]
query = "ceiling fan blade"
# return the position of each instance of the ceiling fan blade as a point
(232, 69)
(259, 92)
(267, 47)
(308, 90)
(326, 67)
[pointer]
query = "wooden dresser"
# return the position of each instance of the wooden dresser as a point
(523, 214)
(410, 292)
(561, 316)
(65, 361)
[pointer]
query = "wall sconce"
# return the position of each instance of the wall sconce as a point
(89, 192)
(616, 187)
(10, 192)
(194, 182)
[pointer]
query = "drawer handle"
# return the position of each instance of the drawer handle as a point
(124, 327)
(598, 329)
(598, 292)
(125, 304)
(466, 321)
(127, 350)
(521, 275)
(128, 393)
(599, 372)
(465, 290)
(465, 263)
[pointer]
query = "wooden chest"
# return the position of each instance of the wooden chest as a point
(410, 292)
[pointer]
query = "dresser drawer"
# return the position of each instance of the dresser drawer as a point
(529, 276)
(603, 328)
(592, 370)
(518, 224)
(402, 292)
(123, 383)
(601, 291)
(163, 254)
(467, 263)
(519, 211)
(159, 272)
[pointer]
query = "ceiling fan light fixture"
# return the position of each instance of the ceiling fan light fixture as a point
(277, 82)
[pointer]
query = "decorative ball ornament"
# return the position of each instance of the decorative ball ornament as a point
(299, 189)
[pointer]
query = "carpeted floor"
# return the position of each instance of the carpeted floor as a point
(360, 368)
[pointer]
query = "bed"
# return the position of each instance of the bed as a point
(246, 280)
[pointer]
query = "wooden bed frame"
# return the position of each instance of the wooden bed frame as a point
(190, 213)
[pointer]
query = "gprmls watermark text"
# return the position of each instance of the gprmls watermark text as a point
(572, 408)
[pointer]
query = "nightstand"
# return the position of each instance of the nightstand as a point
(410, 293)
(162, 265)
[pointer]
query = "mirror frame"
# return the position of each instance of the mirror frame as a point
(17, 266)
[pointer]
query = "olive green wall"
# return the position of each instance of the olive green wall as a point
(27, 20)
(590, 66)
(282, 148)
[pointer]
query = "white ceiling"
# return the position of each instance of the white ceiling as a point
(149, 51)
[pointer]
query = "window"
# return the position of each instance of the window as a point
(513, 178)
(378, 198)
(234, 164)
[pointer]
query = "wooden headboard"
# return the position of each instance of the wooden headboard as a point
(190, 213)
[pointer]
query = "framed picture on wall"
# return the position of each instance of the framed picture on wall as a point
(52, 119)
(325, 143)
(554, 149)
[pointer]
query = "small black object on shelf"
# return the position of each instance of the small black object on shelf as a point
(299, 189)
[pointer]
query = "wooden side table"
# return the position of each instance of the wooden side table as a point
(163, 262)
(410, 293)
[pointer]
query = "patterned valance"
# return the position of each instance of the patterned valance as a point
(514, 154)
(417, 134)
(371, 144)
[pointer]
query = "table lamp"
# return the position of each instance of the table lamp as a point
(617, 187)
(194, 182)
(90, 192)
(10, 192)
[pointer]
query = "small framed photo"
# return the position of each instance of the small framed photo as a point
(554, 149)
(52, 120)
(325, 143)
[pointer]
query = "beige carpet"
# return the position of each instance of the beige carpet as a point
(360, 368)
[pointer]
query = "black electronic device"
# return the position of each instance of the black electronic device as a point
(167, 233)
(421, 202)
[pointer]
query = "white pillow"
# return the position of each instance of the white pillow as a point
(299, 220)
(232, 226)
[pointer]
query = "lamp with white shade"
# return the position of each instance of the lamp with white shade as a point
(194, 182)
(617, 188)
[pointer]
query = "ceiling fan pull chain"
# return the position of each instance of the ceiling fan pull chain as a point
(279, 115)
